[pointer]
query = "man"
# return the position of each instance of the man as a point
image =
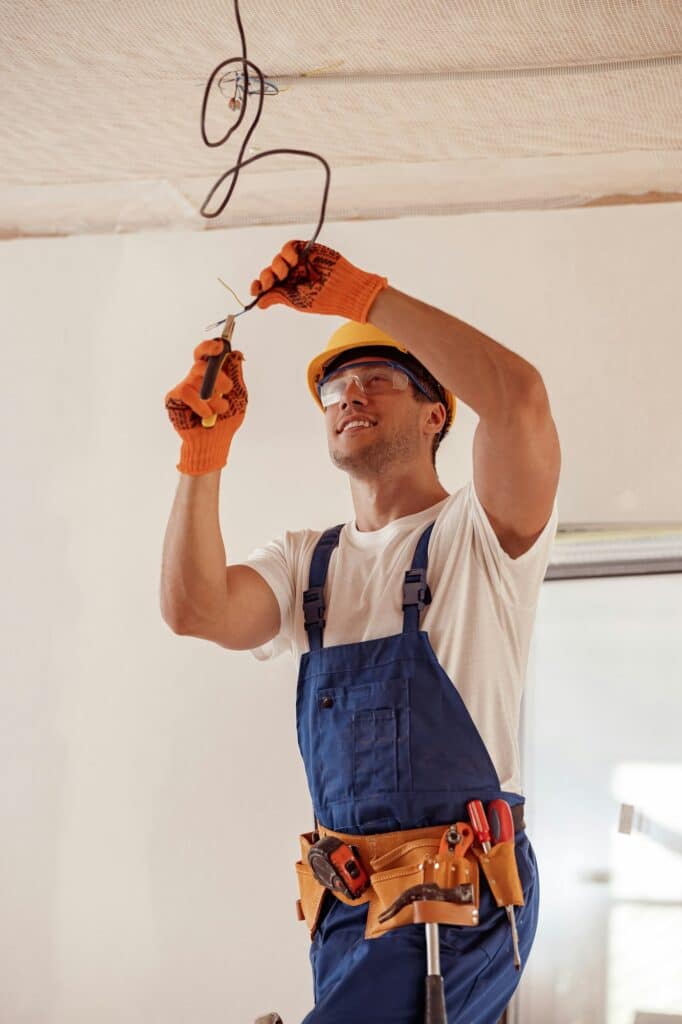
(411, 624)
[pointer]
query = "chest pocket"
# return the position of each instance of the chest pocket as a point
(362, 739)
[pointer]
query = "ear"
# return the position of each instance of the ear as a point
(437, 418)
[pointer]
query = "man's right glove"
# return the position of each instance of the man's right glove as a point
(205, 449)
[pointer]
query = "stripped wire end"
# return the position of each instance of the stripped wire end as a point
(219, 322)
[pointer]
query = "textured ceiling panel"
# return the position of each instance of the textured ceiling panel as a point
(100, 107)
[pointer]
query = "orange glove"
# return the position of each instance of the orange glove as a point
(205, 449)
(319, 281)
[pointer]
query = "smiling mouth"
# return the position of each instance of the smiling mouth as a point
(353, 430)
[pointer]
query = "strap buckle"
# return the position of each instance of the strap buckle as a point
(313, 608)
(415, 589)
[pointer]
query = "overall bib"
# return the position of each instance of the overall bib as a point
(388, 744)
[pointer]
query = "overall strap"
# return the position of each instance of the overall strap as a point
(416, 593)
(313, 598)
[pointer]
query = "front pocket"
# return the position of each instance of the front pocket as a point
(375, 751)
(362, 739)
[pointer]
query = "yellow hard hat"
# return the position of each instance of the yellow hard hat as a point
(356, 335)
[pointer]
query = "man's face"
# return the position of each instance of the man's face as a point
(392, 438)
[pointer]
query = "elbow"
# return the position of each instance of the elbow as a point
(175, 622)
(173, 625)
(531, 393)
(521, 395)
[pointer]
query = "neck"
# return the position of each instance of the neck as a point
(379, 500)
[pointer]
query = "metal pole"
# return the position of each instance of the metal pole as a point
(434, 1007)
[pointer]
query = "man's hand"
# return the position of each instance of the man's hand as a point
(318, 280)
(204, 450)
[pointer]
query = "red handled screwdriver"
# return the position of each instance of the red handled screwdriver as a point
(479, 823)
(502, 826)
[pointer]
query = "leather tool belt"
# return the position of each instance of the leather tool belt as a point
(416, 877)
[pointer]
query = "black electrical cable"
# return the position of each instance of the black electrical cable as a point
(243, 163)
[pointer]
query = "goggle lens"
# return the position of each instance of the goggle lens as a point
(376, 378)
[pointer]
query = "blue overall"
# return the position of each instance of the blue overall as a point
(388, 744)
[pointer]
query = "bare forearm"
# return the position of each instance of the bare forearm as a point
(193, 576)
(484, 374)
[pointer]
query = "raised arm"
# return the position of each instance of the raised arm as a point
(516, 453)
(201, 595)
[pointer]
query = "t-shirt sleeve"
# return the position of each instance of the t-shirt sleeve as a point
(519, 579)
(273, 562)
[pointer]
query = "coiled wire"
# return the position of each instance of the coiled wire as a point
(243, 163)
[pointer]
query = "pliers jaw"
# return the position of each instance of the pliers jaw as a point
(227, 330)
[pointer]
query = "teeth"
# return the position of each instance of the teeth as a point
(356, 423)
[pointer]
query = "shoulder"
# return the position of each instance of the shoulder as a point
(298, 546)
(463, 532)
(454, 513)
(284, 552)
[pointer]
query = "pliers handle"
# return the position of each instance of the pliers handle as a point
(213, 367)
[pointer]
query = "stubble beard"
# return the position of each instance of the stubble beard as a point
(379, 456)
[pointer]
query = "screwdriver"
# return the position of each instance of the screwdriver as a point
(479, 823)
(504, 829)
(502, 826)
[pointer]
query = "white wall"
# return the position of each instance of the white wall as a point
(151, 788)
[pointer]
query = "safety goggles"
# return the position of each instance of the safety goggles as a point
(373, 378)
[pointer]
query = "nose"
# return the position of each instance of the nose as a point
(353, 394)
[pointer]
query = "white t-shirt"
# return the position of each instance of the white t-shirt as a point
(479, 622)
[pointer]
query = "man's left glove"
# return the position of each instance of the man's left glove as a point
(319, 281)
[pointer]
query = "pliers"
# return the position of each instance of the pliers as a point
(214, 366)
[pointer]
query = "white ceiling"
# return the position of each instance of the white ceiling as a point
(419, 108)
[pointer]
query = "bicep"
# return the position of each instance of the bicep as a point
(517, 461)
(248, 618)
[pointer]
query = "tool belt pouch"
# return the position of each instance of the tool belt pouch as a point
(502, 874)
(415, 864)
(311, 891)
